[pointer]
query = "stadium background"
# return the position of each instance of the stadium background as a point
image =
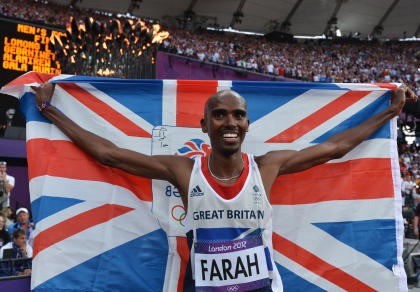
(187, 30)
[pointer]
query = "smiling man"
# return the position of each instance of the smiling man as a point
(226, 192)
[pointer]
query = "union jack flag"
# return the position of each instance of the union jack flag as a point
(337, 226)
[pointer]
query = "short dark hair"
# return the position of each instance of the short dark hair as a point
(18, 233)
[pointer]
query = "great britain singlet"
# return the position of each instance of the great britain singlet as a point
(230, 232)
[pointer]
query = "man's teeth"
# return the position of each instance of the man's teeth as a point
(230, 135)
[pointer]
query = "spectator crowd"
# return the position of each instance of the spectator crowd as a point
(45, 12)
(409, 160)
(314, 61)
(16, 243)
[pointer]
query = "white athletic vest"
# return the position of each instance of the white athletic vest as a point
(224, 232)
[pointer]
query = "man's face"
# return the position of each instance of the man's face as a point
(226, 123)
(22, 217)
(3, 168)
(20, 241)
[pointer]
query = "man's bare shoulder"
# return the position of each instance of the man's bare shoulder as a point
(179, 165)
(274, 158)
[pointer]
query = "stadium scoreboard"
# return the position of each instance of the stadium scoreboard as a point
(24, 47)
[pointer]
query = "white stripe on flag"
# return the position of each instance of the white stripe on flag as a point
(81, 247)
(291, 113)
(224, 85)
(340, 117)
(125, 111)
(305, 274)
(373, 148)
(172, 266)
(169, 102)
(41, 130)
(92, 122)
(328, 248)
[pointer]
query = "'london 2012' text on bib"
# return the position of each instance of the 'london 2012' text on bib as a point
(240, 265)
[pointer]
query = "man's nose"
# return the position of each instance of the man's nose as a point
(230, 120)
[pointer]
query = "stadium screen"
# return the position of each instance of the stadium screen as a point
(24, 47)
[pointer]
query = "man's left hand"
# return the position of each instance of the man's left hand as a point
(400, 96)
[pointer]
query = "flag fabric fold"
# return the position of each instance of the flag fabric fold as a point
(337, 226)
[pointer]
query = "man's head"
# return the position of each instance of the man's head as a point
(226, 121)
(22, 215)
(19, 237)
(3, 166)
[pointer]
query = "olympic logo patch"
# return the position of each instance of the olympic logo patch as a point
(233, 288)
(194, 148)
(178, 214)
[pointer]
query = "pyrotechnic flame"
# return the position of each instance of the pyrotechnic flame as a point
(160, 37)
(105, 72)
(82, 26)
(72, 59)
(156, 28)
(69, 24)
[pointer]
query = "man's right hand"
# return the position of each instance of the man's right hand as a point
(43, 93)
(23, 251)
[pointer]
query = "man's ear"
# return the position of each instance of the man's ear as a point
(203, 125)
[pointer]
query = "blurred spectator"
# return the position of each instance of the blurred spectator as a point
(20, 250)
(7, 183)
(410, 221)
(23, 223)
(10, 218)
(408, 189)
(4, 235)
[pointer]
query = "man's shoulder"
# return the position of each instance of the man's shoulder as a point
(10, 179)
(6, 246)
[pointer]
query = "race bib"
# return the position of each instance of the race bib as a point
(238, 265)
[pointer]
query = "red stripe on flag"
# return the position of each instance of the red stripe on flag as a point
(317, 118)
(191, 97)
(31, 77)
(64, 159)
(112, 116)
(317, 265)
(367, 178)
(184, 254)
(386, 85)
(76, 224)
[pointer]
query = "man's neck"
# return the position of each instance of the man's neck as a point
(225, 166)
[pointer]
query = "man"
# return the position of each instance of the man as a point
(20, 250)
(7, 183)
(408, 189)
(22, 223)
(416, 218)
(227, 190)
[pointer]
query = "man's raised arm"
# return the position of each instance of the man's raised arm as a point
(283, 162)
(165, 167)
